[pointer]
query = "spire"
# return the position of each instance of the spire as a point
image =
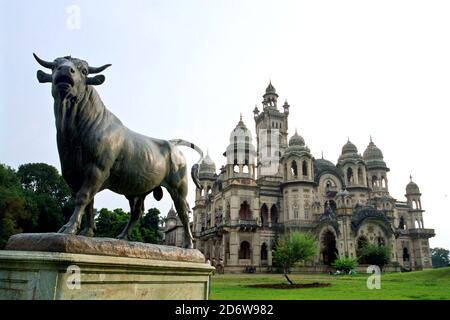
(410, 177)
(322, 154)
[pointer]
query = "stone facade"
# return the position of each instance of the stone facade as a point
(260, 194)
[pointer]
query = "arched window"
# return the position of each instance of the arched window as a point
(304, 168)
(294, 168)
(274, 214)
(350, 175)
(383, 182)
(209, 190)
(245, 169)
(264, 251)
(245, 212)
(264, 214)
(374, 181)
(381, 241)
(202, 193)
(244, 250)
(401, 224)
(360, 176)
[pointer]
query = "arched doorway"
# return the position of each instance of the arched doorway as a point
(244, 250)
(329, 249)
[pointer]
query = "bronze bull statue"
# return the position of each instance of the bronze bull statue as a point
(98, 152)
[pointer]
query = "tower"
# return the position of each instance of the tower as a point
(271, 133)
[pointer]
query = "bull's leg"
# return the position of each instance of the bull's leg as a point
(178, 194)
(136, 210)
(89, 229)
(92, 184)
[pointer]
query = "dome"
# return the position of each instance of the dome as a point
(207, 165)
(373, 156)
(240, 149)
(296, 140)
(270, 88)
(372, 152)
(349, 148)
(412, 187)
(323, 166)
(349, 153)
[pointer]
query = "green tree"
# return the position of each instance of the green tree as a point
(149, 226)
(375, 255)
(345, 264)
(111, 223)
(48, 197)
(293, 248)
(14, 217)
(440, 257)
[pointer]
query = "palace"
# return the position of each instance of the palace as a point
(260, 194)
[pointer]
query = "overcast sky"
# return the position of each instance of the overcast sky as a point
(187, 69)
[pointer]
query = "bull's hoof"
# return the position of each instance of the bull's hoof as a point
(69, 228)
(87, 232)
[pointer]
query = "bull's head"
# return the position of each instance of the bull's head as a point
(69, 76)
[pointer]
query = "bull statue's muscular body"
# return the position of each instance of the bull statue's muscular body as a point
(98, 152)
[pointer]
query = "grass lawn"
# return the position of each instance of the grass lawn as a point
(429, 284)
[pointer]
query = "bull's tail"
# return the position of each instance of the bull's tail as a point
(195, 168)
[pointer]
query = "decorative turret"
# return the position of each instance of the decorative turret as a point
(353, 167)
(297, 160)
(270, 97)
(376, 168)
(415, 206)
(240, 153)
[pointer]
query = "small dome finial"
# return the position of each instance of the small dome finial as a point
(410, 177)
(371, 138)
(240, 117)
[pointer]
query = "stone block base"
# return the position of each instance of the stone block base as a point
(142, 271)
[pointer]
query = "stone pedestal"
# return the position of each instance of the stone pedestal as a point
(142, 271)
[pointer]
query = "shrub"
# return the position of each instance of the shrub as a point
(345, 264)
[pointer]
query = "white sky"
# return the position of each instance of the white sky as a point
(187, 69)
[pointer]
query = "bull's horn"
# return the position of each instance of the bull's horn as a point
(43, 77)
(44, 63)
(99, 69)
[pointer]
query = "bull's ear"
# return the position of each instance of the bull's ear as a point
(95, 81)
(43, 77)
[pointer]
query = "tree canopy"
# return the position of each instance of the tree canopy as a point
(293, 248)
(440, 257)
